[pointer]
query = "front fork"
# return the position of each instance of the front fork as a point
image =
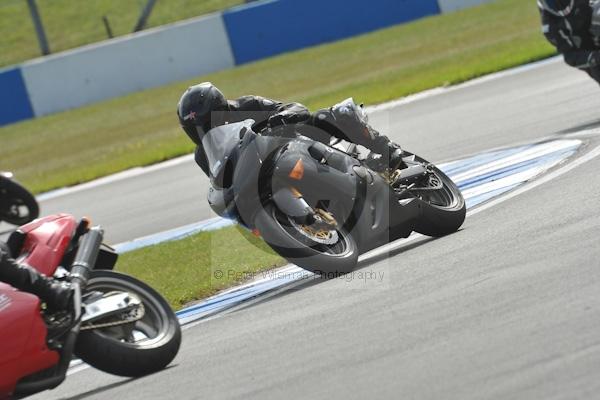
(291, 202)
(309, 191)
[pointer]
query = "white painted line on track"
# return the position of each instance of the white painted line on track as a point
(494, 177)
(192, 321)
(291, 269)
(527, 154)
(544, 179)
(492, 203)
(465, 85)
(480, 178)
(127, 174)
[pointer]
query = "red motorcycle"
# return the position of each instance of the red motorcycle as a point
(118, 324)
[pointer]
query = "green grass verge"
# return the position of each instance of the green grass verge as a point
(139, 129)
(201, 265)
(71, 23)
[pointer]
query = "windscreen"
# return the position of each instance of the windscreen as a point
(220, 142)
(348, 106)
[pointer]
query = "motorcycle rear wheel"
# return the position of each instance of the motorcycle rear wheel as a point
(443, 211)
(113, 349)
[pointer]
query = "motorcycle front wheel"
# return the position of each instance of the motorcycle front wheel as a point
(331, 253)
(143, 346)
(17, 204)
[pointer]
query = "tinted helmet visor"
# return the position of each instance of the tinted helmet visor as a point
(195, 133)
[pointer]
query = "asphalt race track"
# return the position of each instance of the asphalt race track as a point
(506, 308)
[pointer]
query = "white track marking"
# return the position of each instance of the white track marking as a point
(474, 167)
(77, 367)
(473, 82)
(127, 174)
(492, 203)
(535, 152)
(544, 179)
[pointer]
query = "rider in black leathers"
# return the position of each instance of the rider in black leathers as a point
(203, 107)
(573, 27)
(56, 295)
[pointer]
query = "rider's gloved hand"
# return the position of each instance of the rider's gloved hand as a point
(281, 124)
(276, 120)
(287, 117)
(387, 156)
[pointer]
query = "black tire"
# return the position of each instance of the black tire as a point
(442, 211)
(318, 258)
(19, 206)
(102, 350)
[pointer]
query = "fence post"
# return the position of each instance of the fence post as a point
(141, 23)
(39, 27)
(109, 31)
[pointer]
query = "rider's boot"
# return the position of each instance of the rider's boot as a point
(385, 154)
(391, 159)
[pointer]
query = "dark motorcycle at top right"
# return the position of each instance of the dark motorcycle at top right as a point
(320, 206)
(17, 205)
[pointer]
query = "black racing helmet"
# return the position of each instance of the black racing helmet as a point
(195, 108)
(561, 8)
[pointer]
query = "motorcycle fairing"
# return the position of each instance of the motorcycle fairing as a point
(263, 165)
(23, 349)
(363, 199)
(46, 242)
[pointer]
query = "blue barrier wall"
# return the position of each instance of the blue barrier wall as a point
(258, 30)
(14, 100)
(264, 29)
(131, 63)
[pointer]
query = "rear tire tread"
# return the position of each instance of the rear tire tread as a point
(107, 356)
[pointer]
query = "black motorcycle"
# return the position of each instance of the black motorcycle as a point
(320, 206)
(17, 205)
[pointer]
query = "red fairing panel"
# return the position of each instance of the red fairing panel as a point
(46, 242)
(23, 348)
